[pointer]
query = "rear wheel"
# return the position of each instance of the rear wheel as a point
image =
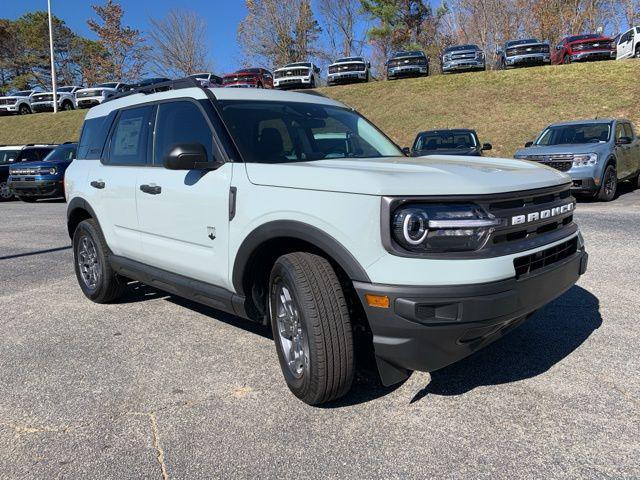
(609, 185)
(97, 279)
(638, 51)
(311, 327)
(5, 192)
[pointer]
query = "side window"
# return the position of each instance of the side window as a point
(130, 137)
(180, 122)
(29, 155)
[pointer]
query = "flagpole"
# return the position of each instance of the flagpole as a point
(53, 66)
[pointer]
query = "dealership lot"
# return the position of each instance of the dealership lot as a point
(158, 386)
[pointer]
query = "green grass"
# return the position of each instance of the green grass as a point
(507, 108)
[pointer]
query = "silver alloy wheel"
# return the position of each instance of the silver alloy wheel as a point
(292, 337)
(5, 193)
(88, 262)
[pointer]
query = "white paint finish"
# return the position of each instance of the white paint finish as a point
(433, 175)
(174, 224)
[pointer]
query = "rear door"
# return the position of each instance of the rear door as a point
(112, 181)
(634, 149)
(624, 153)
(184, 215)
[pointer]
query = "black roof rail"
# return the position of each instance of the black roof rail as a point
(68, 142)
(187, 82)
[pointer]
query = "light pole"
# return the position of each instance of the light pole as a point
(53, 66)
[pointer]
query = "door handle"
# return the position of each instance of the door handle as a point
(97, 184)
(151, 189)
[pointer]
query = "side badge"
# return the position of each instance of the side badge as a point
(211, 233)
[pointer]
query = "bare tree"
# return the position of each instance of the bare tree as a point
(276, 32)
(340, 21)
(179, 44)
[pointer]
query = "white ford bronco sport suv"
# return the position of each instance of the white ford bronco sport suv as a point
(293, 210)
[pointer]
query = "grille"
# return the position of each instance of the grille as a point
(562, 166)
(88, 93)
(601, 45)
(293, 72)
(562, 162)
(527, 50)
(536, 261)
(463, 56)
(43, 98)
(350, 67)
(407, 62)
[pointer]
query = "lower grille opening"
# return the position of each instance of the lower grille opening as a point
(536, 261)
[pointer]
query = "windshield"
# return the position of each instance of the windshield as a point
(582, 37)
(350, 59)
(522, 42)
(461, 47)
(200, 75)
(8, 156)
(62, 153)
(575, 134)
(408, 54)
(22, 93)
(107, 85)
(65, 89)
(282, 132)
(445, 141)
(303, 64)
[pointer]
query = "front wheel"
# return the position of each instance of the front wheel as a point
(311, 327)
(97, 279)
(5, 192)
(566, 60)
(609, 185)
(24, 109)
(66, 106)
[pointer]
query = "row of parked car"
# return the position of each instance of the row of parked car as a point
(598, 154)
(514, 53)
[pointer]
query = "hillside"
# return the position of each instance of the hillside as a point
(506, 108)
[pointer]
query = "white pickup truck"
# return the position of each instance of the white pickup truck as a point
(628, 44)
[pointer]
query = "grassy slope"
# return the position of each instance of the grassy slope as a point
(506, 108)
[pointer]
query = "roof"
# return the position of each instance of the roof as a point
(220, 93)
(589, 121)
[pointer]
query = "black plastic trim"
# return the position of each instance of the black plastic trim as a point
(79, 203)
(298, 231)
(179, 285)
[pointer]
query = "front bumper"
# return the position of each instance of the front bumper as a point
(346, 77)
(428, 328)
(408, 71)
(532, 59)
(462, 65)
(593, 55)
(292, 82)
(35, 188)
(87, 102)
(8, 108)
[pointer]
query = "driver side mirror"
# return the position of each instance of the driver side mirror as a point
(406, 151)
(188, 156)
(528, 144)
(487, 146)
(624, 141)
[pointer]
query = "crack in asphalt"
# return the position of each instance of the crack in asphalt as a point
(156, 444)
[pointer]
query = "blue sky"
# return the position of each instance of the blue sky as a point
(222, 17)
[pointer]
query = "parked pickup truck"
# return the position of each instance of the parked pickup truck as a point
(459, 141)
(294, 211)
(43, 102)
(408, 64)
(296, 75)
(596, 153)
(627, 44)
(583, 48)
(462, 58)
(89, 97)
(348, 70)
(43, 179)
(249, 78)
(523, 53)
(18, 102)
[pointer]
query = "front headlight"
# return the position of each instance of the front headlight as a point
(442, 228)
(520, 156)
(48, 171)
(587, 160)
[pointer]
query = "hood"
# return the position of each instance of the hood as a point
(11, 97)
(286, 69)
(433, 175)
(530, 44)
(353, 62)
(564, 149)
(591, 40)
(60, 164)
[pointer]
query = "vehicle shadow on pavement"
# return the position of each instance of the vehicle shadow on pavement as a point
(545, 339)
(624, 188)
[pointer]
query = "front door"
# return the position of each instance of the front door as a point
(625, 45)
(184, 215)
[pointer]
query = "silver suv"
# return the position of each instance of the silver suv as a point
(596, 153)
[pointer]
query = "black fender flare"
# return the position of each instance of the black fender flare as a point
(298, 231)
(79, 203)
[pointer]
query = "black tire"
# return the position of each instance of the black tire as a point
(67, 106)
(260, 85)
(5, 193)
(27, 199)
(326, 371)
(638, 51)
(609, 185)
(108, 286)
(313, 82)
(566, 60)
(24, 109)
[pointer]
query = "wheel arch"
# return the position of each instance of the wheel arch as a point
(266, 243)
(77, 211)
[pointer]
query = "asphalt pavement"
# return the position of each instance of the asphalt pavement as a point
(160, 387)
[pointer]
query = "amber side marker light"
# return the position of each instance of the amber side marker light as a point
(378, 301)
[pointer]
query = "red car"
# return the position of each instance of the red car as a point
(583, 48)
(249, 78)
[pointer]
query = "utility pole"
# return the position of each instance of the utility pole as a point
(53, 66)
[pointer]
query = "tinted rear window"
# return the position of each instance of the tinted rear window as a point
(94, 134)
